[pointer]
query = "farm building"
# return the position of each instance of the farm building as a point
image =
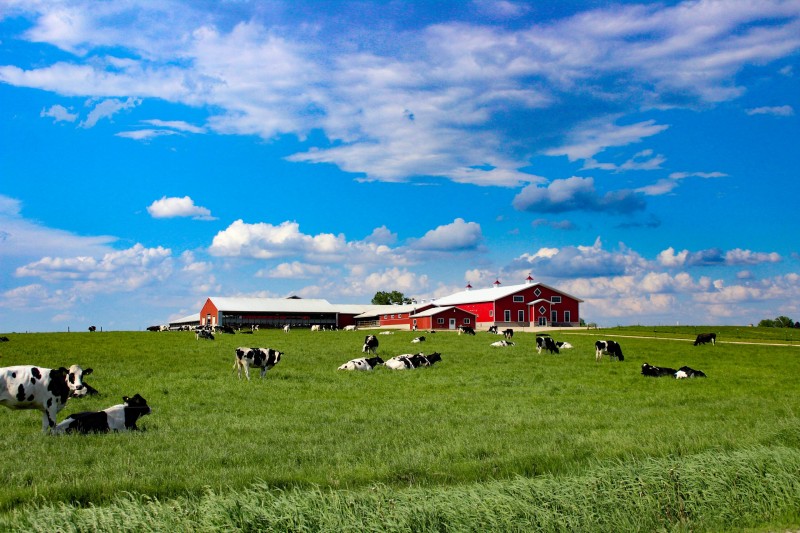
(276, 312)
(527, 304)
(443, 318)
(187, 321)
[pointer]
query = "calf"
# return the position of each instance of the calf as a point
(32, 387)
(508, 333)
(686, 372)
(370, 344)
(657, 371)
(502, 344)
(418, 339)
(122, 417)
(610, 348)
(263, 358)
(546, 342)
(362, 363)
(706, 337)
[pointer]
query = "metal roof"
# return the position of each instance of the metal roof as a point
(187, 319)
(491, 294)
(436, 310)
(273, 305)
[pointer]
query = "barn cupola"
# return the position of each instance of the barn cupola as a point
(528, 280)
(468, 287)
(496, 283)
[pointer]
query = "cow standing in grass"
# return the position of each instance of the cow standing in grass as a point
(45, 389)
(610, 348)
(263, 358)
(706, 337)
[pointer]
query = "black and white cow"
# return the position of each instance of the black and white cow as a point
(203, 334)
(362, 363)
(493, 329)
(411, 361)
(92, 328)
(502, 344)
(657, 371)
(45, 389)
(546, 342)
(466, 330)
(121, 417)
(610, 348)
(263, 358)
(4, 339)
(370, 344)
(686, 372)
(418, 339)
(706, 337)
(508, 333)
(563, 345)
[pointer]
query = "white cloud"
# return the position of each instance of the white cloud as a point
(457, 236)
(59, 113)
(576, 194)
(178, 207)
(779, 111)
(107, 109)
(591, 138)
(293, 270)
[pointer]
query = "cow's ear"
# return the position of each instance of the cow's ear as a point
(87, 371)
(125, 399)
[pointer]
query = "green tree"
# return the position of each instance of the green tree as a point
(780, 322)
(390, 298)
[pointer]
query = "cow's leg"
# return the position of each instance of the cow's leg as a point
(597, 356)
(48, 421)
(247, 370)
(263, 371)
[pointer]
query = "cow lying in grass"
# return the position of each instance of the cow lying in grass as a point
(502, 344)
(122, 417)
(362, 363)
(682, 373)
(411, 361)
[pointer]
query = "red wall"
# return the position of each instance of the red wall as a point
(484, 309)
(209, 309)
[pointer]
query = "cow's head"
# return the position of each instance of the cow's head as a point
(137, 402)
(74, 378)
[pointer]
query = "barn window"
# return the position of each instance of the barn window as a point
(392, 317)
(386, 317)
(507, 315)
(440, 320)
(554, 315)
(542, 310)
(466, 321)
(537, 292)
(519, 298)
(567, 316)
(520, 316)
(491, 313)
(556, 299)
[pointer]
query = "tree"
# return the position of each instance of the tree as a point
(390, 298)
(780, 322)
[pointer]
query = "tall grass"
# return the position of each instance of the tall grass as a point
(484, 419)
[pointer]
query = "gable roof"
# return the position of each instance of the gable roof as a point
(436, 310)
(492, 294)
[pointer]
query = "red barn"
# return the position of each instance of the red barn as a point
(527, 304)
(443, 318)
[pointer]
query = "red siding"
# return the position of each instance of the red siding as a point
(495, 311)
(209, 309)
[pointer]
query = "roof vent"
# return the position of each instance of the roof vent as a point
(529, 280)
(469, 287)
(496, 283)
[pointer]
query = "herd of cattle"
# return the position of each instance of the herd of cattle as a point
(48, 390)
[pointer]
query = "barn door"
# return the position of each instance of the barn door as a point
(452, 323)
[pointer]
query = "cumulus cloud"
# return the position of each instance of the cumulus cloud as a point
(593, 137)
(293, 270)
(457, 236)
(173, 207)
(715, 256)
(579, 262)
(266, 241)
(576, 194)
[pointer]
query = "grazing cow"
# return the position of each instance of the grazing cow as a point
(508, 333)
(418, 339)
(121, 417)
(92, 328)
(493, 329)
(154, 328)
(362, 363)
(227, 329)
(204, 334)
(370, 344)
(263, 358)
(657, 371)
(546, 342)
(706, 337)
(350, 328)
(502, 344)
(466, 330)
(286, 328)
(610, 348)
(33, 387)
(686, 372)
(386, 333)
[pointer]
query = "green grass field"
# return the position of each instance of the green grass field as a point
(311, 448)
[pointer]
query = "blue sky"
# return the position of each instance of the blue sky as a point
(641, 156)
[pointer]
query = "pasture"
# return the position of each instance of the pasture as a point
(342, 450)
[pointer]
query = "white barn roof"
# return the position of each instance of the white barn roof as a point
(273, 305)
(191, 319)
(492, 294)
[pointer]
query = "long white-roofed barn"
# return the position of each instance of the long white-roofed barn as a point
(269, 312)
(527, 304)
